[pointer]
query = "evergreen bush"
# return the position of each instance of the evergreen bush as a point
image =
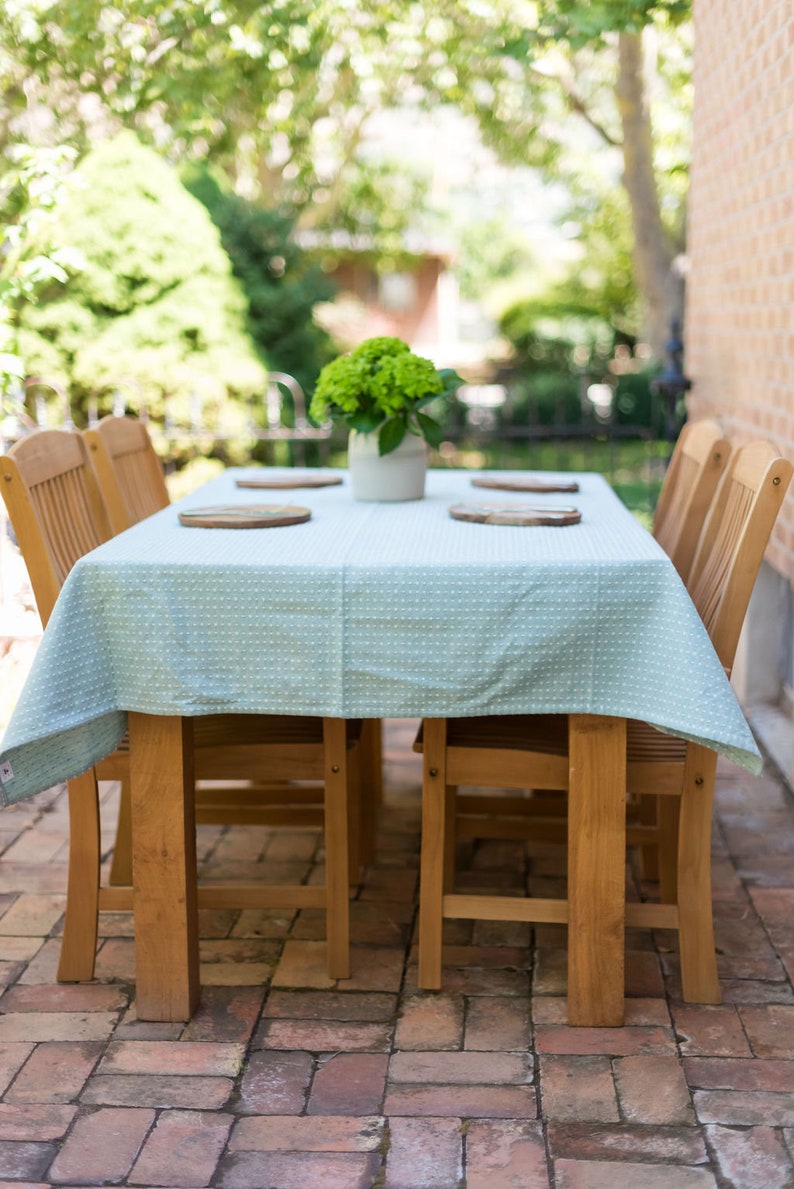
(150, 303)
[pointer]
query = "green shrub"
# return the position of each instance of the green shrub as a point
(281, 285)
(150, 303)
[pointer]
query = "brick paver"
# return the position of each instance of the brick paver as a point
(493, 1102)
(494, 1024)
(616, 1042)
(430, 1022)
(298, 1170)
(12, 1056)
(653, 1090)
(276, 1083)
(708, 1031)
(34, 1121)
(286, 1078)
(102, 1146)
(307, 1133)
(185, 1058)
(740, 1109)
(578, 1088)
(208, 1094)
(575, 1174)
(770, 1029)
(325, 1036)
(349, 1084)
(42, 1026)
(505, 1155)
(427, 1153)
(461, 1069)
(55, 1072)
(748, 1158)
(626, 1141)
(183, 1149)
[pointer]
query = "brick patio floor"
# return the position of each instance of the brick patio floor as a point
(284, 1080)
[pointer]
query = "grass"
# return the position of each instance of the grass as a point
(633, 467)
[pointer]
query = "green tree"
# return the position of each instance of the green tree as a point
(280, 94)
(490, 252)
(280, 283)
(563, 86)
(30, 189)
(148, 296)
(277, 94)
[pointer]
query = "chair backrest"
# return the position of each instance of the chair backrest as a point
(733, 541)
(55, 507)
(696, 467)
(129, 471)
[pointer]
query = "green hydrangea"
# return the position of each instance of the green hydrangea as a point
(380, 386)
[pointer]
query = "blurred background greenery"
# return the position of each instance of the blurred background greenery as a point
(196, 196)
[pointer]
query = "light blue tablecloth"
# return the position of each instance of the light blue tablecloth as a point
(369, 610)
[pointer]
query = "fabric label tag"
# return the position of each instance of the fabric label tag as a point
(6, 772)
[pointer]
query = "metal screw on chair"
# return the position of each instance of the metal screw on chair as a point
(334, 767)
(776, 481)
(698, 780)
(434, 771)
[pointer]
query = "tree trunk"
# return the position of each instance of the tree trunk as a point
(660, 288)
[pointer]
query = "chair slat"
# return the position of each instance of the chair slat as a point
(695, 469)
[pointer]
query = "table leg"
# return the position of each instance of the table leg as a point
(164, 867)
(596, 870)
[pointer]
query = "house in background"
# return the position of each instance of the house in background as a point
(416, 299)
(740, 300)
(416, 302)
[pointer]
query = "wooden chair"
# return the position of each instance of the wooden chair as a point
(532, 752)
(128, 470)
(132, 483)
(58, 515)
(696, 467)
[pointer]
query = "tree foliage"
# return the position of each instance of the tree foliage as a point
(277, 93)
(563, 86)
(280, 283)
(148, 298)
(280, 94)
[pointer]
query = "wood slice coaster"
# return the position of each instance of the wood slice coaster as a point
(244, 516)
(288, 481)
(537, 485)
(518, 514)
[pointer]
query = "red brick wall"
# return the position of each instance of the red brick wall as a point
(740, 291)
(419, 325)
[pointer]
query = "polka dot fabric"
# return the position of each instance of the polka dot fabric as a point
(369, 610)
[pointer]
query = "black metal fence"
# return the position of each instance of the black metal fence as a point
(581, 424)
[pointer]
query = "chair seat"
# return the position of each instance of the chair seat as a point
(547, 734)
(219, 730)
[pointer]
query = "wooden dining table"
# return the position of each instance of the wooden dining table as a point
(369, 610)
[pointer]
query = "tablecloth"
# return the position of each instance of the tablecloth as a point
(369, 610)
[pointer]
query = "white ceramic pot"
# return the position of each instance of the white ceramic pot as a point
(399, 475)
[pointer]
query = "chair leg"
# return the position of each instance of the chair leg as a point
(449, 838)
(355, 824)
(371, 748)
(699, 978)
(78, 948)
(431, 880)
(337, 908)
(121, 863)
